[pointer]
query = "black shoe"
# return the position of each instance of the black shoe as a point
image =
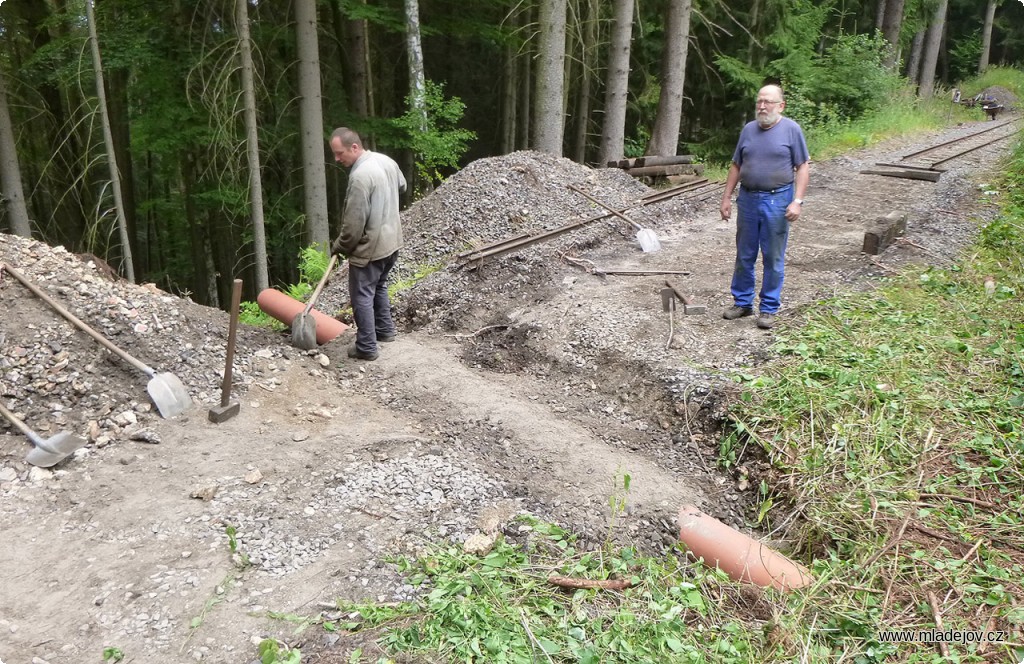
(357, 354)
(766, 321)
(734, 312)
(386, 338)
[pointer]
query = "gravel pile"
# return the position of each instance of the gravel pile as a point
(499, 198)
(54, 376)
(428, 491)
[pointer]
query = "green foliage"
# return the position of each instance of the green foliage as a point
(1007, 77)
(251, 314)
(112, 654)
(312, 265)
(964, 56)
(272, 652)
(436, 140)
(419, 273)
(500, 608)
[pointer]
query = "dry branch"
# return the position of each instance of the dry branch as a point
(604, 584)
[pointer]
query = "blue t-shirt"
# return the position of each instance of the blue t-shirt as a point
(768, 157)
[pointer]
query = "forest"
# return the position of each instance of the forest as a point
(183, 142)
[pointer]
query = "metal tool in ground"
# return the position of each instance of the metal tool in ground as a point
(228, 408)
(647, 238)
(668, 304)
(304, 324)
(48, 452)
(167, 392)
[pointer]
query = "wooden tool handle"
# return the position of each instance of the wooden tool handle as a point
(103, 341)
(18, 424)
(612, 210)
(236, 299)
(320, 286)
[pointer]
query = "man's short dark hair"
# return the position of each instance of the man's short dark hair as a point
(347, 136)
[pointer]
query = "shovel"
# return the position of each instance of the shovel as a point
(304, 324)
(47, 452)
(166, 391)
(647, 238)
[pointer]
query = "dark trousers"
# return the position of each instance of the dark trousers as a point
(371, 308)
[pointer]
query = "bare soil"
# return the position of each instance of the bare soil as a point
(528, 385)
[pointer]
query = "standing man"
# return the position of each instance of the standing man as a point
(371, 235)
(772, 166)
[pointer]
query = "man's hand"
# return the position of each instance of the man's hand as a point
(793, 211)
(726, 208)
(337, 250)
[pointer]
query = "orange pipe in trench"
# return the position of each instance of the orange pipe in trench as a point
(736, 554)
(285, 308)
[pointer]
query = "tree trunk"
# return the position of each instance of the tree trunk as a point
(417, 79)
(665, 134)
(357, 79)
(509, 100)
(613, 129)
(588, 63)
(932, 42)
(880, 15)
(252, 143)
(986, 36)
(549, 123)
(914, 63)
(525, 85)
(108, 139)
(892, 24)
(120, 129)
(12, 196)
(311, 121)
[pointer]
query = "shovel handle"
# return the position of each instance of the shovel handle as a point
(18, 424)
(320, 286)
(77, 322)
(610, 209)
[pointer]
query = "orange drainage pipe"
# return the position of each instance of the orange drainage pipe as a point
(284, 308)
(736, 554)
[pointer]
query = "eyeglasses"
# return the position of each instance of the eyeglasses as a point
(767, 102)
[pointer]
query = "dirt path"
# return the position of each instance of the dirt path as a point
(331, 466)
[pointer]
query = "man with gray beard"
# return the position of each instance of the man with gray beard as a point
(771, 164)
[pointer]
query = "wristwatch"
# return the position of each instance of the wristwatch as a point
(798, 201)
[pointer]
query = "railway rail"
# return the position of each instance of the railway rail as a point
(697, 191)
(929, 163)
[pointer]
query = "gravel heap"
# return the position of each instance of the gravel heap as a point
(499, 198)
(54, 376)
(1002, 96)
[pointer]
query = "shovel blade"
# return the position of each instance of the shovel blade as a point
(169, 395)
(648, 240)
(53, 450)
(304, 331)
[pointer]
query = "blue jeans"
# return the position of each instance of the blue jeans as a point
(761, 225)
(371, 308)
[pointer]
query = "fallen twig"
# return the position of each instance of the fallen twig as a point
(604, 584)
(974, 549)
(478, 332)
(934, 533)
(933, 601)
(533, 638)
(888, 545)
(961, 499)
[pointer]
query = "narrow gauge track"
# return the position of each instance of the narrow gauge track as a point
(934, 158)
(698, 190)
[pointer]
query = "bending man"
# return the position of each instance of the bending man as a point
(772, 166)
(371, 235)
